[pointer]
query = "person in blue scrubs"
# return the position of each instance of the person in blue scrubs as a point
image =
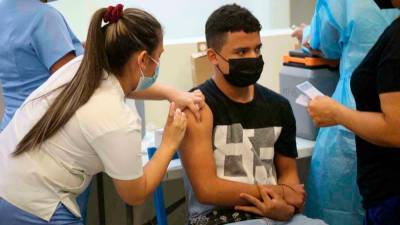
(35, 41)
(345, 30)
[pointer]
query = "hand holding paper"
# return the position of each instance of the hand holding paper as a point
(309, 92)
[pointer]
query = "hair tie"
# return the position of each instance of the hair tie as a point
(113, 14)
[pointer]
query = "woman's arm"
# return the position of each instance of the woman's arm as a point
(377, 128)
(136, 191)
(155, 92)
(191, 100)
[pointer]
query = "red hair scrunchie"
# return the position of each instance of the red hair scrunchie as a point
(113, 14)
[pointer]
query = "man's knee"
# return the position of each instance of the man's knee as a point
(300, 219)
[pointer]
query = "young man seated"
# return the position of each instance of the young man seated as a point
(241, 158)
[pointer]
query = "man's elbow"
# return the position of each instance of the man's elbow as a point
(205, 193)
(204, 196)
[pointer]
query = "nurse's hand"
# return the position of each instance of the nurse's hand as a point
(298, 34)
(194, 101)
(324, 111)
(175, 128)
(272, 205)
(314, 52)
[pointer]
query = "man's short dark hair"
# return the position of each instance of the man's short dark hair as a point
(229, 18)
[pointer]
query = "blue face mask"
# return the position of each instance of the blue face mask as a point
(145, 81)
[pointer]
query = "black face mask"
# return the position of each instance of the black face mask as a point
(384, 4)
(243, 72)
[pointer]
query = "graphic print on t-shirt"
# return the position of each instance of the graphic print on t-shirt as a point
(245, 155)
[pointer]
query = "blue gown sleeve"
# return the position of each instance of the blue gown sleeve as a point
(51, 37)
(324, 33)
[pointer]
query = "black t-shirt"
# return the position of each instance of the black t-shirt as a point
(246, 135)
(378, 167)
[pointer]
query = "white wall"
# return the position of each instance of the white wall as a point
(305, 14)
(180, 18)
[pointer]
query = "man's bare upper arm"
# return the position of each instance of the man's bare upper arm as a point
(196, 149)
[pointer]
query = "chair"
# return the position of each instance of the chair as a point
(159, 205)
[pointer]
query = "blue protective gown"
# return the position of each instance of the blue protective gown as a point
(345, 30)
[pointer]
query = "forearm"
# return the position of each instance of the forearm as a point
(294, 195)
(292, 191)
(370, 126)
(155, 92)
(289, 178)
(155, 169)
(226, 193)
(135, 192)
(221, 192)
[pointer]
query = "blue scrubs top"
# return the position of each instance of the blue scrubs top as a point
(34, 36)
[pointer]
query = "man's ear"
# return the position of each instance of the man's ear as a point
(212, 56)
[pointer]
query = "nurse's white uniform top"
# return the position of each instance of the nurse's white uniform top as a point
(102, 135)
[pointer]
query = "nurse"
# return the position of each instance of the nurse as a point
(77, 124)
(344, 30)
(375, 84)
(35, 42)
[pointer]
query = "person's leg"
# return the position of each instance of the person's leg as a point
(82, 201)
(11, 215)
(386, 212)
(300, 219)
(228, 216)
(296, 220)
(254, 222)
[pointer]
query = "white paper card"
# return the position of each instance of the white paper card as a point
(303, 100)
(309, 90)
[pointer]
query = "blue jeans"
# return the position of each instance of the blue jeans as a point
(11, 215)
(82, 201)
(385, 213)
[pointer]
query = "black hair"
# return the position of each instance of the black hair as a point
(229, 18)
